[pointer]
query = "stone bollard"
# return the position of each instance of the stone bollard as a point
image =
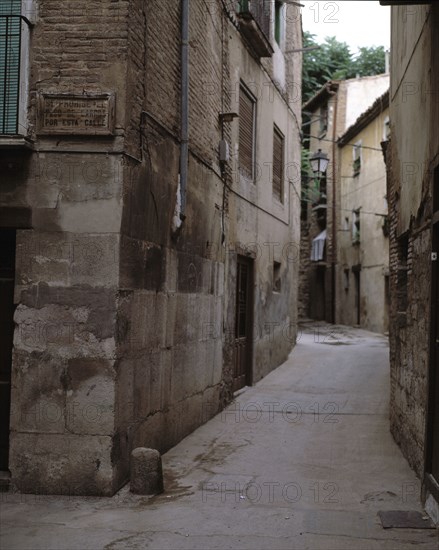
(146, 476)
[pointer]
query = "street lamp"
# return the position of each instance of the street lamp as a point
(319, 162)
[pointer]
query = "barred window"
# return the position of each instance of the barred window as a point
(10, 49)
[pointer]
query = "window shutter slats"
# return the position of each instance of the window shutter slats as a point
(246, 133)
(278, 164)
(10, 43)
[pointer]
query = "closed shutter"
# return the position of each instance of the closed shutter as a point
(10, 43)
(278, 165)
(246, 133)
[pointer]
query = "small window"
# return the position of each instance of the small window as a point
(356, 227)
(247, 110)
(278, 18)
(278, 165)
(346, 279)
(323, 119)
(357, 153)
(346, 224)
(276, 277)
(386, 130)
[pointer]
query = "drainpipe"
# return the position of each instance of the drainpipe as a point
(184, 146)
(334, 204)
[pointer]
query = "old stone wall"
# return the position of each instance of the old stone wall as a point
(171, 298)
(410, 272)
(177, 303)
(410, 165)
(124, 326)
(64, 376)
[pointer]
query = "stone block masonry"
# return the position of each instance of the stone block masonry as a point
(119, 321)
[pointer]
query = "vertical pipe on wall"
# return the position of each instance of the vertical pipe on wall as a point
(184, 146)
(334, 212)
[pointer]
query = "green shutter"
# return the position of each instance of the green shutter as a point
(10, 42)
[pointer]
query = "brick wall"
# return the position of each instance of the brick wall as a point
(409, 322)
(76, 45)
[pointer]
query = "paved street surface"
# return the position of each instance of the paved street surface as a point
(303, 460)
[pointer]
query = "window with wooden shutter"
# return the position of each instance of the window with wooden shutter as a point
(10, 45)
(278, 165)
(246, 133)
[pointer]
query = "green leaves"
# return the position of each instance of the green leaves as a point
(334, 61)
(370, 61)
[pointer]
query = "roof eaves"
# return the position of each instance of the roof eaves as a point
(324, 93)
(377, 107)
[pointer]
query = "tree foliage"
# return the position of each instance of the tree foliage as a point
(370, 61)
(334, 61)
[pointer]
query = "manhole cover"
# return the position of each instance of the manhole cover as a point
(402, 519)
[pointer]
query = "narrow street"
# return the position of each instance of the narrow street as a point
(302, 460)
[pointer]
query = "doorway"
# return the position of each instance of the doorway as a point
(318, 294)
(7, 277)
(242, 349)
(432, 455)
(356, 270)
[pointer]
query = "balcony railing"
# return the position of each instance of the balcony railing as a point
(255, 25)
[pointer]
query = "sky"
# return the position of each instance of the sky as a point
(357, 22)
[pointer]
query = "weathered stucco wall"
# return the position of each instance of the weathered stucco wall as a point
(274, 226)
(361, 93)
(346, 100)
(365, 192)
(411, 89)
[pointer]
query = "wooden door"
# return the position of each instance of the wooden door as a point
(357, 298)
(434, 360)
(7, 307)
(242, 352)
(432, 450)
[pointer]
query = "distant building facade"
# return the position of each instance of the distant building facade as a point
(363, 228)
(149, 209)
(413, 191)
(333, 109)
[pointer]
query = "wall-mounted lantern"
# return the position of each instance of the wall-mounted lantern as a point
(319, 162)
